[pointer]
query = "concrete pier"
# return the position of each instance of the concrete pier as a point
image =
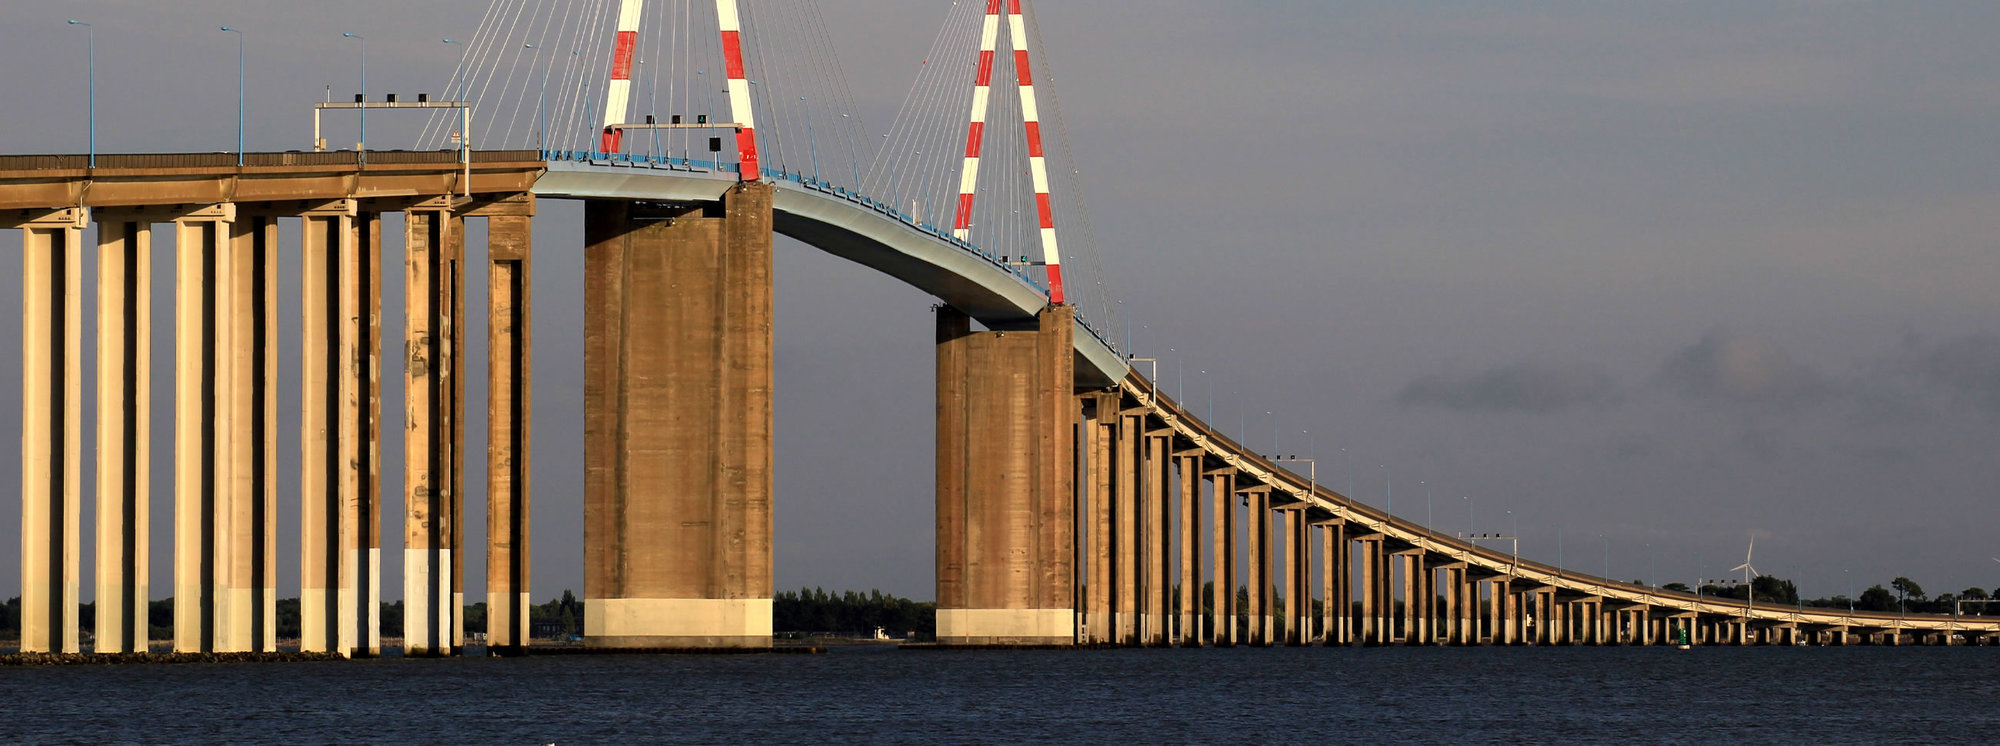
(677, 359)
(1006, 415)
(509, 341)
(1222, 499)
(203, 356)
(252, 416)
(1187, 530)
(430, 368)
(1100, 425)
(51, 428)
(124, 432)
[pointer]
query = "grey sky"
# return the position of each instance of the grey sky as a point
(1661, 273)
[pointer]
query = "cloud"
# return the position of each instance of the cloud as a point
(1731, 367)
(1519, 388)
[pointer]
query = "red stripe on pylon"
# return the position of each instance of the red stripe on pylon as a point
(1048, 214)
(974, 138)
(1021, 64)
(985, 75)
(964, 221)
(1034, 139)
(621, 57)
(732, 53)
(1055, 284)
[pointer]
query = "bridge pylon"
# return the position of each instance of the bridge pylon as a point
(1006, 481)
(677, 423)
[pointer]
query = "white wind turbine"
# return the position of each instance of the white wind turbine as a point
(1750, 572)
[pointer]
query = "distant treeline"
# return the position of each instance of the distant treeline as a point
(560, 617)
(850, 613)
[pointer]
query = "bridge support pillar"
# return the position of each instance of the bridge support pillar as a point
(1334, 579)
(1222, 494)
(1127, 529)
(51, 428)
(252, 416)
(1257, 576)
(1188, 536)
(1154, 621)
(434, 242)
(1006, 482)
(1100, 423)
(508, 405)
(204, 353)
(677, 403)
(124, 432)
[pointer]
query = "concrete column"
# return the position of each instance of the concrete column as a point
(1006, 414)
(323, 361)
(1257, 558)
(1157, 539)
(677, 401)
(1102, 422)
(508, 370)
(1339, 609)
(1371, 582)
(1188, 537)
(1286, 629)
(1222, 492)
(1126, 529)
(430, 610)
(252, 401)
(361, 410)
(202, 450)
(124, 432)
(51, 428)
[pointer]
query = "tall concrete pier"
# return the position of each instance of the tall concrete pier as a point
(1006, 486)
(677, 400)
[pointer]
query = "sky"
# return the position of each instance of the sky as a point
(1646, 279)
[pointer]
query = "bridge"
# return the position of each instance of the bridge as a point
(1077, 504)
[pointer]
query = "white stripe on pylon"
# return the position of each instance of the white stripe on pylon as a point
(740, 103)
(618, 92)
(1031, 121)
(982, 86)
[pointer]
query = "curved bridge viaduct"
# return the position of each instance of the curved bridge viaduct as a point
(1077, 505)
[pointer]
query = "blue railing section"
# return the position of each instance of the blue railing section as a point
(695, 166)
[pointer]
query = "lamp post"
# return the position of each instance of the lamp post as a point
(464, 117)
(1389, 492)
(363, 144)
(1517, 536)
(92, 32)
(1274, 432)
(1468, 517)
(1211, 397)
(239, 92)
(1429, 516)
(1180, 383)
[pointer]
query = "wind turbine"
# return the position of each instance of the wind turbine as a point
(1750, 572)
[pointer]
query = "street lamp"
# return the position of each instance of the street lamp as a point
(239, 92)
(362, 146)
(1389, 492)
(92, 32)
(461, 75)
(1468, 517)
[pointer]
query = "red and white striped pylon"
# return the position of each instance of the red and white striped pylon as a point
(618, 93)
(1030, 120)
(982, 87)
(739, 90)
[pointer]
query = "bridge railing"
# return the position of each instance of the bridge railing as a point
(139, 161)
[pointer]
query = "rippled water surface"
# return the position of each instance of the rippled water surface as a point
(876, 695)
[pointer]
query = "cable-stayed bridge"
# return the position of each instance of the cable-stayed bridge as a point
(1076, 503)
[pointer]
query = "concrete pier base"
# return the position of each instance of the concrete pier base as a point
(677, 402)
(1005, 482)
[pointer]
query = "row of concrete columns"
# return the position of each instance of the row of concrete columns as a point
(227, 297)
